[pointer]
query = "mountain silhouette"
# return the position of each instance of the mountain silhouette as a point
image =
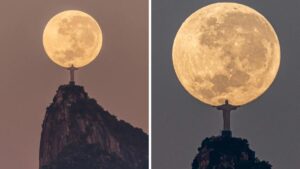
(226, 152)
(77, 133)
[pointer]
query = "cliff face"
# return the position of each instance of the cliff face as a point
(79, 134)
(227, 153)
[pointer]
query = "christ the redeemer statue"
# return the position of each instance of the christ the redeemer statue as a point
(72, 74)
(226, 108)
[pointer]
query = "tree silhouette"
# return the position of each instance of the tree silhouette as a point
(227, 153)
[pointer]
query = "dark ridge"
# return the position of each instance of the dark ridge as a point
(227, 153)
(79, 134)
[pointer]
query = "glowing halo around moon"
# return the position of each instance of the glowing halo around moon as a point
(72, 38)
(226, 51)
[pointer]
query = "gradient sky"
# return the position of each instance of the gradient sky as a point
(180, 122)
(118, 79)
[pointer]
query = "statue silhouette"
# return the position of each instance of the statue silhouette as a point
(226, 109)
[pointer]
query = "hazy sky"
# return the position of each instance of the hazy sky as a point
(117, 79)
(180, 122)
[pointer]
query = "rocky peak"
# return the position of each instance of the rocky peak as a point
(70, 94)
(75, 126)
(226, 152)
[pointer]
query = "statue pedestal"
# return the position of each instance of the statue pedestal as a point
(226, 133)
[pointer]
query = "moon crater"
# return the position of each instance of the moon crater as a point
(72, 38)
(226, 51)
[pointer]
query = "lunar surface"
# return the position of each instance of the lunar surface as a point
(226, 51)
(72, 38)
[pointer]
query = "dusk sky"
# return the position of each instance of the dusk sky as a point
(180, 122)
(117, 79)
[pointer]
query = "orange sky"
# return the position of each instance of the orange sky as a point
(118, 79)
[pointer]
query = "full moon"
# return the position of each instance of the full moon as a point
(72, 38)
(226, 51)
